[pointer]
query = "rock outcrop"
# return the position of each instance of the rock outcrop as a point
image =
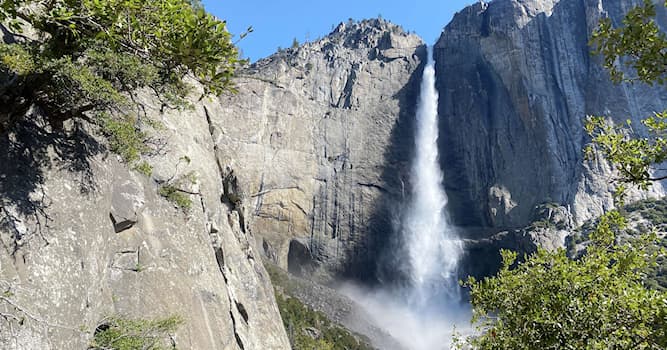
(85, 238)
(516, 80)
(318, 137)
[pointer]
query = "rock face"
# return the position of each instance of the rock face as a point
(307, 164)
(85, 238)
(318, 137)
(516, 81)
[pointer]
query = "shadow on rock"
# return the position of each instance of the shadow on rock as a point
(376, 261)
(29, 151)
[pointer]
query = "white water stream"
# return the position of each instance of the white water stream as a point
(422, 314)
(431, 241)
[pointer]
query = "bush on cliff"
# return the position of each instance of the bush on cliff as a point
(118, 333)
(86, 58)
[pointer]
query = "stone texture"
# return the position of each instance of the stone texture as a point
(126, 201)
(516, 81)
(84, 237)
(318, 137)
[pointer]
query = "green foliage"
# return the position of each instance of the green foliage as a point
(175, 195)
(634, 157)
(543, 223)
(126, 334)
(652, 210)
(553, 302)
(299, 319)
(173, 190)
(656, 276)
(144, 168)
(92, 54)
(16, 59)
(8, 10)
(295, 43)
(638, 43)
(125, 138)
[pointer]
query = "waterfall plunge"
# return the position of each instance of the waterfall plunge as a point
(421, 315)
(433, 250)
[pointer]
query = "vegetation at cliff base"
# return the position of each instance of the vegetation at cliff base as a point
(644, 217)
(603, 299)
(306, 328)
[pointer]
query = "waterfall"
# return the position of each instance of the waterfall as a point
(430, 241)
(423, 312)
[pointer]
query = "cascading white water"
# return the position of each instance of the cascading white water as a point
(423, 314)
(432, 246)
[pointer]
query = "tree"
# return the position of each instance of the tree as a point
(89, 55)
(640, 45)
(553, 302)
(600, 300)
(295, 43)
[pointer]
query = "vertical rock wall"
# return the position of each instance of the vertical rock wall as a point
(318, 137)
(516, 81)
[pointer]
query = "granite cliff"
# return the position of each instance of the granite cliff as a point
(85, 238)
(306, 166)
(291, 167)
(325, 137)
(516, 81)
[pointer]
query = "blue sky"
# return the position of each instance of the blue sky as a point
(276, 23)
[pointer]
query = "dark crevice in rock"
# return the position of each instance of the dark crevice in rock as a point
(220, 259)
(231, 192)
(232, 196)
(127, 260)
(242, 221)
(241, 309)
(121, 225)
(269, 251)
(239, 342)
(260, 196)
(211, 130)
(373, 186)
(345, 99)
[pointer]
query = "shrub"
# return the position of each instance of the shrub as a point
(173, 190)
(118, 333)
(125, 138)
(176, 196)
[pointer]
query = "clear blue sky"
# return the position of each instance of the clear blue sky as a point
(276, 23)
